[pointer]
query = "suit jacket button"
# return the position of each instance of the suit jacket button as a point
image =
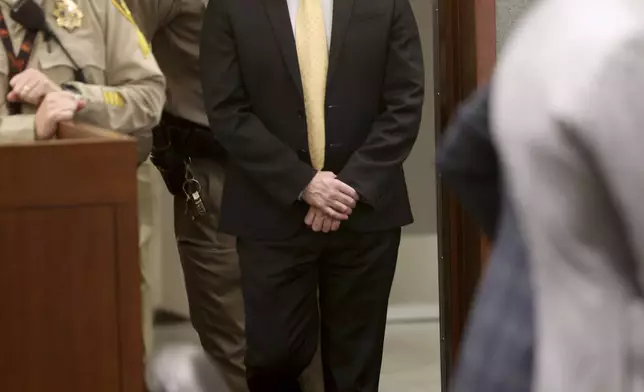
(300, 113)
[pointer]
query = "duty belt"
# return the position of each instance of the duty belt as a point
(189, 139)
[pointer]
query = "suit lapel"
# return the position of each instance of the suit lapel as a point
(278, 15)
(342, 10)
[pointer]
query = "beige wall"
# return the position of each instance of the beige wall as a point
(168, 290)
(415, 290)
(507, 14)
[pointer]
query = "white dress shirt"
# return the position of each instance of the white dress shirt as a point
(327, 9)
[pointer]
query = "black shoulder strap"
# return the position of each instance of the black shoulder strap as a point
(17, 63)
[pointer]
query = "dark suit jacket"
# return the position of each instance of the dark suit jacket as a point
(253, 95)
(497, 353)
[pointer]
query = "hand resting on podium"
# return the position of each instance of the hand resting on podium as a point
(32, 87)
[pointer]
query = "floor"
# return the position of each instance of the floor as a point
(411, 361)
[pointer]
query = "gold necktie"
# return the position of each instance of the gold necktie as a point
(313, 57)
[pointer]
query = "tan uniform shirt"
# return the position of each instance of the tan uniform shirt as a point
(174, 27)
(125, 89)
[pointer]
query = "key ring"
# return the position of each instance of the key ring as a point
(186, 184)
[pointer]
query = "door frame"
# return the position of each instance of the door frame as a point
(465, 53)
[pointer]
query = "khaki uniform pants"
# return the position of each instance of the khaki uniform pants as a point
(146, 204)
(213, 282)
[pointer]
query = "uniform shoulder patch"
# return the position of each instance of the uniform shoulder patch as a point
(122, 7)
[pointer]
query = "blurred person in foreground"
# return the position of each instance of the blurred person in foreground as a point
(497, 351)
(318, 104)
(567, 119)
(91, 66)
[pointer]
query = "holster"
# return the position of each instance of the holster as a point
(167, 160)
(174, 142)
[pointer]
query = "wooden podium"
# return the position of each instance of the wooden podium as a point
(70, 318)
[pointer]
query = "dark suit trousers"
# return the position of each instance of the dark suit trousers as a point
(285, 317)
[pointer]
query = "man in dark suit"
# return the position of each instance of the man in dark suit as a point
(318, 104)
(497, 353)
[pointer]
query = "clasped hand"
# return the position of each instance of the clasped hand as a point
(54, 105)
(331, 201)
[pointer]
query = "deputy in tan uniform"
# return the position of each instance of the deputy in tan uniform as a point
(94, 66)
(208, 257)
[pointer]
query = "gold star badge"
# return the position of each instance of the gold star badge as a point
(68, 15)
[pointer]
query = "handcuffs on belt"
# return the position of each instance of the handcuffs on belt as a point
(192, 188)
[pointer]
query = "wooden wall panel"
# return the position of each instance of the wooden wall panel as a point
(466, 52)
(485, 30)
(48, 257)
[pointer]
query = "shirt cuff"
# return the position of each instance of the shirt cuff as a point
(72, 89)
